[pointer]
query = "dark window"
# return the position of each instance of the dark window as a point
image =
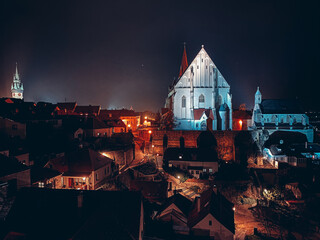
(183, 101)
(201, 98)
(105, 171)
(210, 223)
(97, 177)
(14, 127)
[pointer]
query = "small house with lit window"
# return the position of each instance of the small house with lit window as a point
(197, 161)
(212, 215)
(83, 169)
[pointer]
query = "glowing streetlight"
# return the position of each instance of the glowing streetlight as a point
(150, 132)
(240, 124)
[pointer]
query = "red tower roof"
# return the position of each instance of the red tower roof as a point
(184, 62)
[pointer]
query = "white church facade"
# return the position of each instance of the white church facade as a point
(200, 98)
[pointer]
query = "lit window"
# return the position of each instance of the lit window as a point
(204, 170)
(210, 170)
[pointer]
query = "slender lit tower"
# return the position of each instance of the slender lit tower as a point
(17, 86)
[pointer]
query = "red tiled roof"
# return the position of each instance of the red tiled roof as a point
(197, 113)
(184, 62)
(81, 162)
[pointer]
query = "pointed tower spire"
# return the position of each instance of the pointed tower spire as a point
(17, 86)
(184, 62)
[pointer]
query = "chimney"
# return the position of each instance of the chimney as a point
(80, 200)
(198, 203)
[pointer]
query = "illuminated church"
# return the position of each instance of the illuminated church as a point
(200, 98)
(17, 86)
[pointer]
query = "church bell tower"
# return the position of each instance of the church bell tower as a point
(17, 86)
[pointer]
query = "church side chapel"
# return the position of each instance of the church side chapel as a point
(200, 98)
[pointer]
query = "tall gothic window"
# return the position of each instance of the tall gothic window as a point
(183, 101)
(201, 98)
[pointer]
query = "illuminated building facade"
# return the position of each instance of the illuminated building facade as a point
(200, 98)
(280, 114)
(17, 86)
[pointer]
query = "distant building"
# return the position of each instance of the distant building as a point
(280, 114)
(241, 119)
(17, 86)
(200, 98)
(130, 118)
(88, 110)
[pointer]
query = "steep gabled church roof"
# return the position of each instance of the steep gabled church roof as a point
(184, 62)
(221, 82)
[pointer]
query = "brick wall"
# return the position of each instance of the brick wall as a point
(225, 141)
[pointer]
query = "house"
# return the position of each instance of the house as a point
(12, 171)
(176, 210)
(241, 119)
(88, 110)
(40, 213)
(212, 215)
(116, 125)
(129, 117)
(66, 108)
(44, 177)
(12, 128)
(94, 127)
(81, 169)
(197, 161)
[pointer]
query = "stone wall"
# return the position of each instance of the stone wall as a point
(225, 141)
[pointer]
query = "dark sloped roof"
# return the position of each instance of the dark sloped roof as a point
(183, 203)
(83, 161)
(69, 106)
(191, 154)
(116, 114)
(215, 204)
(54, 214)
(88, 109)
(280, 106)
(10, 165)
(40, 174)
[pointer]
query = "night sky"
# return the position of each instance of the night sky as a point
(126, 53)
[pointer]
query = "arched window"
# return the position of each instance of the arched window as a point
(183, 102)
(201, 98)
